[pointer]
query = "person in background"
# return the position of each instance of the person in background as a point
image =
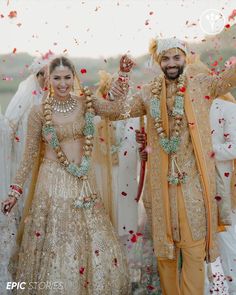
(223, 130)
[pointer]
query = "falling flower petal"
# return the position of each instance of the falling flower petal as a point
(212, 154)
(14, 50)
(37, 234)
(231, 61)
(221, 120)
(97, 8)
(7, 78)
(115, 261)
(47, 55)
(218, 198)
(124, 194)
(81, 271)
(83, 71)
(76, 41)
(150, 287)
(226, 174)
(232, 15)
(133, 239)
(12, 14)
(215, 64)
(229, 278)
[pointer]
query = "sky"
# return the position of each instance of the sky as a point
(104, 28)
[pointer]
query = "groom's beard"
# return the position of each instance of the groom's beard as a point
(173, 73)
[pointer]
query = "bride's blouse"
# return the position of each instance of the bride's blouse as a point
(69, 131)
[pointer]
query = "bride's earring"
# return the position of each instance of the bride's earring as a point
(51, 91)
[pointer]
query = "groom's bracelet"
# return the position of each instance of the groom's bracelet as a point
(123, 77)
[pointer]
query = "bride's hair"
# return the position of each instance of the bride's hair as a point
(62, 61)
(65, 62)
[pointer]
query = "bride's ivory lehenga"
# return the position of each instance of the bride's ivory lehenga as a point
(65, 250)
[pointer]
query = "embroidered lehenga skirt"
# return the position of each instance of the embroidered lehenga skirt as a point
(66, 250)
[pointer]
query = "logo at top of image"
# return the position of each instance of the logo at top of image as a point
(212, 21)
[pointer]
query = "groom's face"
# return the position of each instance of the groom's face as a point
(173, 63)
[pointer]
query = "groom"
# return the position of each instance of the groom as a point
(180, 167)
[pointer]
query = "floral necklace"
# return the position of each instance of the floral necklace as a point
(87, 197)
(172, 144)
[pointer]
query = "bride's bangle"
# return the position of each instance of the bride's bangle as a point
(15, 191)
(17, 188)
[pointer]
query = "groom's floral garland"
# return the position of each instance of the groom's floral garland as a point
(170, 146)
(87, 197)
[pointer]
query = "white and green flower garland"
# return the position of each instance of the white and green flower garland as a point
(87, 198)
(170, 146)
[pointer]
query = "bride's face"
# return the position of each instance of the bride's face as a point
(62, 81)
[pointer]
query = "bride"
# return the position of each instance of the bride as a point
(67, 243)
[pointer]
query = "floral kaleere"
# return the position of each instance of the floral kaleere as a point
(172, 144)
(87, 197)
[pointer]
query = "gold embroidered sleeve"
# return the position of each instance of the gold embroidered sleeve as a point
(219, 85)
(115, 110)
(34, 130)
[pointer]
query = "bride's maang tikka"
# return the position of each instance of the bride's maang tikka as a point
(61, 66)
